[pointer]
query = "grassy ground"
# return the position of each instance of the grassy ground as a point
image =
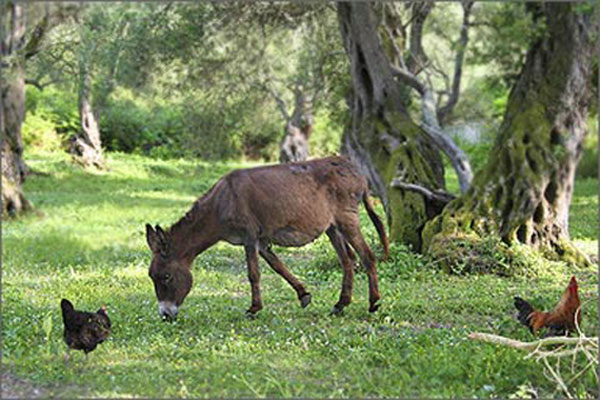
(90, 248)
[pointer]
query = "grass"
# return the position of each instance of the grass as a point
(90, 248)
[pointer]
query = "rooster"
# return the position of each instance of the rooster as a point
(84, 330)
(559, 321)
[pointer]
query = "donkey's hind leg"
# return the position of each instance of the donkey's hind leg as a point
(279, 267)
(341, 248)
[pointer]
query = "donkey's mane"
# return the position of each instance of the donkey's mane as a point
(195, 213)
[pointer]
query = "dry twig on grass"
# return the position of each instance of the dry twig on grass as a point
(564, 347)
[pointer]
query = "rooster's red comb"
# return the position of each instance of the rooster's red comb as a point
(573, 282)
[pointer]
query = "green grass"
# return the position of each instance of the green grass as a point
(90, 247)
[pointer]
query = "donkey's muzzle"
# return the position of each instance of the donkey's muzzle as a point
(167, 310)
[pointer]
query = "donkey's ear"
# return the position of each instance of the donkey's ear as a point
(152, 238)
(66, 305)
(165, 243)
(160, 232)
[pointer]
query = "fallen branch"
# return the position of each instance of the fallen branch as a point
(530, 346)
(582, 344)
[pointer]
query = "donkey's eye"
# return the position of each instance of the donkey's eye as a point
(167, 277)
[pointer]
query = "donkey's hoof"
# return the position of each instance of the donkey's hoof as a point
(251, 314)
(337, 309)
(374, 307)
(305, 300)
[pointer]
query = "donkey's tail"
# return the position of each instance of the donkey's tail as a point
(378, 225)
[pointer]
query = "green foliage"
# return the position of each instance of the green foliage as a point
(478, 153)
(51, 118)
(131, 124)
(56, 106)
(39, 133)
(501, 37)
(588, 164)
(90, 248)
(173, 80)
(327, 135)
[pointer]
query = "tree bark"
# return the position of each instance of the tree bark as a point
(12, 110)
(381, 138)
(524, 192)
(86, 146)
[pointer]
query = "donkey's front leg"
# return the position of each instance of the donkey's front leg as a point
(254, 277)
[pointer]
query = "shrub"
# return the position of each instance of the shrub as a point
(55, 106)
(40, 133)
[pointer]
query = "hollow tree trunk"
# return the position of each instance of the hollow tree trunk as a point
(524, 192)
(381, 138)
(86, 146)
(12, 109)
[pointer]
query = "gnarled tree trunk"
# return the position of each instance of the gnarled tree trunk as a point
(524, 192)
(381, 138)
(294, 146)
(86, 146)
(12, 109)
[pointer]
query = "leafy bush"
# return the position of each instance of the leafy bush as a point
(50, 119)
(38, 132)
(132, 124)
(56, 106)
(188, 128)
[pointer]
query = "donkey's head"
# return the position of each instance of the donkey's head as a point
(172, 278)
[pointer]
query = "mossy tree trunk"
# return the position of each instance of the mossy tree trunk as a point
(12, 110)
(381, 137)
(523, 193)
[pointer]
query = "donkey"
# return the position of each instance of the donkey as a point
(287, 205)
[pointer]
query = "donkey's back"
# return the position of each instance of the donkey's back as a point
(289, 204)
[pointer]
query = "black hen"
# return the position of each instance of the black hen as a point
(84, 330)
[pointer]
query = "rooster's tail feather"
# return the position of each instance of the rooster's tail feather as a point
(525, 310)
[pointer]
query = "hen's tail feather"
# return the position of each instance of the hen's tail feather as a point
(525, 311)
(67, 308)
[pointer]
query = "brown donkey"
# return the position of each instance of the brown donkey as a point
(288, 205)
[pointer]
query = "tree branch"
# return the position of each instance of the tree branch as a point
(392, 36)
(45, 25)
(435, 195)
(34, 42)
(280, 102)
(458, 64)
(418, 58)
(531, 346)
(458, 158)
(35, 83)
(430, 125)
(408, 78)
